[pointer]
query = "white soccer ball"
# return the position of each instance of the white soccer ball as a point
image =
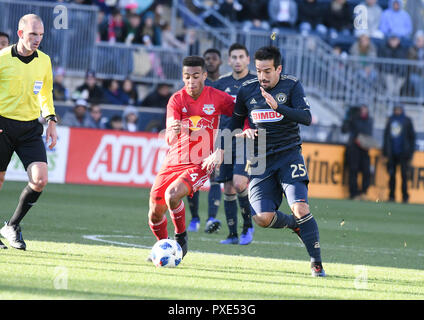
(166, 253)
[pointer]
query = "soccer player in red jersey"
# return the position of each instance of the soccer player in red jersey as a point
(192, 124)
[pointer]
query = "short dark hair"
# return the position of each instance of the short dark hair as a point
(237, 46)
(269, 53)
(3, 34)
(212, 50)
(194, 61)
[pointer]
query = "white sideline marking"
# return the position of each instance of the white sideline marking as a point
(387, 251)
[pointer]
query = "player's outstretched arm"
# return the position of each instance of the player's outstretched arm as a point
(302, 116)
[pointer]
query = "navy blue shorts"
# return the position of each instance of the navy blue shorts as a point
(285, 174)
(24, 138)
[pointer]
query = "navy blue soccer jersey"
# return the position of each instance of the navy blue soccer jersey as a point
(282, 124)
(231, 86)
(210, 83)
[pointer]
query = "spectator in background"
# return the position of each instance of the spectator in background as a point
(115, 123)
(395, 20)
(416, 53)
(338, 18)
(89, 90)
(78, 116)
(254, 14)
(130, 119)
(373, 13)
(169, 40)
(310, 18)
(113, 94)
(191, 40)
(4, 40)
(159, 97)
(282, 13)
(129, 89)
(102, 27)
(136, 6)
(363, 47)
(398, 147)
(150, 29)
(116, 27)
(95, 119)
(359, 125)
(60, 92)
(162, 14)
(415, 10)
(394, 77)
(230, 9)
(131, 26)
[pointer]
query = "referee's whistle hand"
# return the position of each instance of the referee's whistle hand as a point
(51, 134)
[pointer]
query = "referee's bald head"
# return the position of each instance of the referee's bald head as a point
(26, 19)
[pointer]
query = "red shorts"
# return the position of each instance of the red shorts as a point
(193, 176)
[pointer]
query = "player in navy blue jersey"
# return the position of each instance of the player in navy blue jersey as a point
(234, 175)
(275, 105)
(213, 63)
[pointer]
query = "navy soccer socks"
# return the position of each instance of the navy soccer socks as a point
(193, 204)
(243, 199)
(310, 236)
(282, 220)
(214, 199)
(230, 206)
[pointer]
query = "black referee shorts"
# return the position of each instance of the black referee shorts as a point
(24, 138)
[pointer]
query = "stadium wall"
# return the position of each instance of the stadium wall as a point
(119, 158)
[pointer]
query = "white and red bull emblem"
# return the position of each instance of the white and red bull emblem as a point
(265, 115)
(209, 109)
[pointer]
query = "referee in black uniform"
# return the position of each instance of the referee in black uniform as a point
(26, 84)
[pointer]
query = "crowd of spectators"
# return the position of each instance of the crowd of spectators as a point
(363, 28)
(89, 97)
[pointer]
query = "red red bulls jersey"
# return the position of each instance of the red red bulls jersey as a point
(200, 124)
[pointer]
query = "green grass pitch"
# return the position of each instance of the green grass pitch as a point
(91, 242)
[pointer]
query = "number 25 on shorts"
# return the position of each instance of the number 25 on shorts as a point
(298, 170)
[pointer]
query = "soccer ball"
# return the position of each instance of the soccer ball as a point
(166, 253)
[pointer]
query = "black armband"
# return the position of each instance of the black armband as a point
(51, 117)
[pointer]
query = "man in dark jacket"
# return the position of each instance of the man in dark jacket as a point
(398, 147)
(359, 125)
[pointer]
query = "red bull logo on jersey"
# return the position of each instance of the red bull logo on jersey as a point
(195, 123)
(209, 109)
(266, 115)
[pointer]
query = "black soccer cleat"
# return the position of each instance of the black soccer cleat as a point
(317, 269)
(2, 245)
(182, 239)
(212, 225)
